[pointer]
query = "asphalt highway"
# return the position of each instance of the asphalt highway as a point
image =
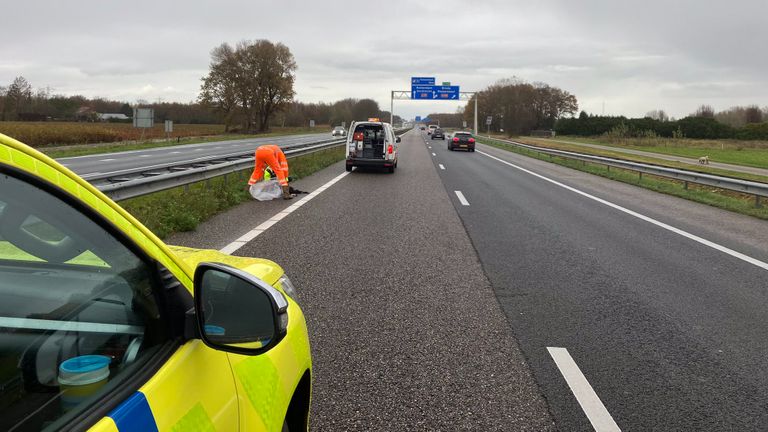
(489, 291)
(669, 332)
(115, 162)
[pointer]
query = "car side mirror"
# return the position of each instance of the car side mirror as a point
(397, 139)
(236, 311)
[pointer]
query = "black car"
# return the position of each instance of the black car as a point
(438, 133)
(462, 140)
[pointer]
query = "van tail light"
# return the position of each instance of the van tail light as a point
(358, 136)
(455, 140)
(471, 140)
(390, 149)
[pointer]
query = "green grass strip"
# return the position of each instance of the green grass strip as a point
(183, 208)
(731, 152)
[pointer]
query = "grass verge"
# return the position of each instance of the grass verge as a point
(183, 208)
(638, 158)
(721, 198)
(746, 153)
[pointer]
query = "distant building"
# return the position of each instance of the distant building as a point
(85, 113)
(112, 116)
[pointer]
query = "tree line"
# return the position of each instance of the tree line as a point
(744, 123)
(518, 107)
(335, 114)
(19, 101)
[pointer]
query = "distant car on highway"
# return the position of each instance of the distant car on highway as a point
(372, 143)
(338, 131)
(431, 129)
(462, 140)
(438, 133)
(107, 328)
(422, 127)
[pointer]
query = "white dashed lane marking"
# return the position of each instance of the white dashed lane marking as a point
(462, 199)
(593, 407)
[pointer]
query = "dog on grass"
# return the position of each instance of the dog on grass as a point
(704, 160)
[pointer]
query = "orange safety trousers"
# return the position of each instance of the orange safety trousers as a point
(272, 156)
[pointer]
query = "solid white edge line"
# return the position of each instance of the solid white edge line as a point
(705, 242)
(252, 234)
(585, 395)
(441, 166)
(462, 200)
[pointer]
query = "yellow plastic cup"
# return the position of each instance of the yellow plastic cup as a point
(80, 377)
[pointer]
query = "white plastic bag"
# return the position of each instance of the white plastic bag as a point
(266, 190)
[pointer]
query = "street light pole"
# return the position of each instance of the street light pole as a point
(476, 129)
(392, 108)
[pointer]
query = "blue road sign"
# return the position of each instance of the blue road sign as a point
(422, 92)
(422, 81)
(447, 92)
(418, 118)
(435, 92)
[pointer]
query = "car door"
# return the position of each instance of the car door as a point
(393, 141)
(92, 317)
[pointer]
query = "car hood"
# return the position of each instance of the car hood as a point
(266, 270)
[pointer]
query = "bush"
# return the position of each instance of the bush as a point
(622, 127)
(705, 128)
(753, 131)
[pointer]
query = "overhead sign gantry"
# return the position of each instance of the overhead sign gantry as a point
(424, 88)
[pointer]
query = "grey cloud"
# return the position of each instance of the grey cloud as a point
(636, 57)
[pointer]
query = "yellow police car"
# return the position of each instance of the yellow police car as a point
(105, 328)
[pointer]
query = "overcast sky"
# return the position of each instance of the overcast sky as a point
(631, 57)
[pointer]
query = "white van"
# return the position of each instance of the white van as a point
(372, 143)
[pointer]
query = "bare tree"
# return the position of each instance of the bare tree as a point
(522, 106)
(219, 86)
(18, 96)
(733, 116)
(753, 114)
(254, 78)
(705, 111)
(658, 114)
(365, 109)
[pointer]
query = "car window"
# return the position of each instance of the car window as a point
(77, 309)
(371, 132)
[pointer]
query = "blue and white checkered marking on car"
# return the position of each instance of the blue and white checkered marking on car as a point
(134, 415)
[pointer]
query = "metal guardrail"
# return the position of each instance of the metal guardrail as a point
(135, 182)
(729, 183)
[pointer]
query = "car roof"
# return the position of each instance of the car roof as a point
(370, 123)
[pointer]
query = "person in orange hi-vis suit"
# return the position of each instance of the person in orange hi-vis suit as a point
(271, 156)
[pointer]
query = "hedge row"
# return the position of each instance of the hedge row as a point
(688, 127)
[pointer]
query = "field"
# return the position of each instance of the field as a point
(46, 134)
(747, 153)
